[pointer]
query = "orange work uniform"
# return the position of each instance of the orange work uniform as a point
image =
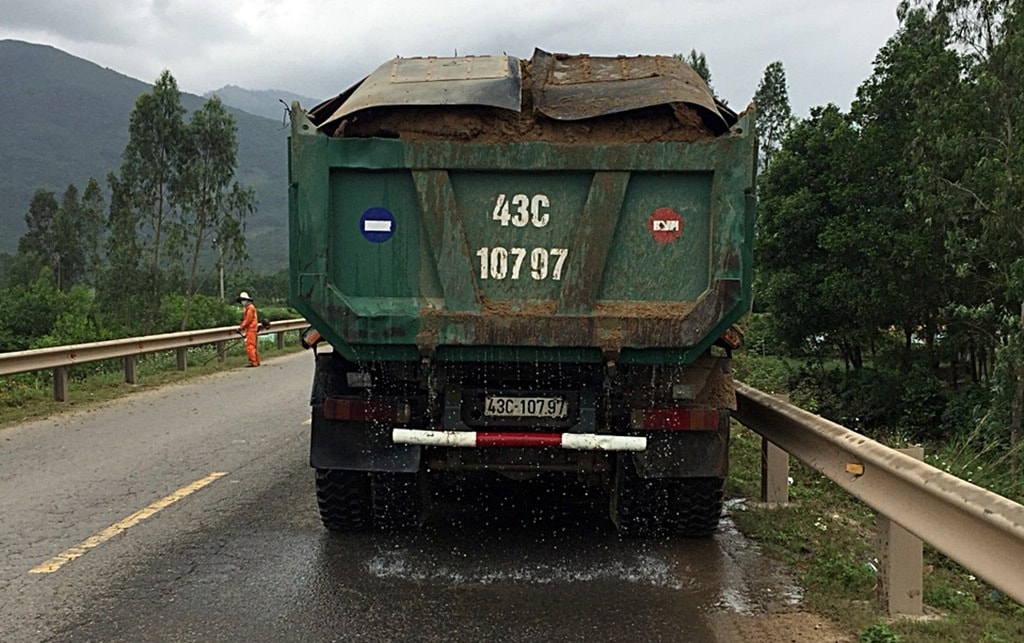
(250, 326)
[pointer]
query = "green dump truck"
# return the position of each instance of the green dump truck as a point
(518, 268)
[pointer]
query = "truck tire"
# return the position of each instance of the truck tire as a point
(639, 506)
(344, 499)
(696, 506)
(396, 500)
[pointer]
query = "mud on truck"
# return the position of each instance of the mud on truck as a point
(519, 267)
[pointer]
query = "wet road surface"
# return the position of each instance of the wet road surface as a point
(245, 558)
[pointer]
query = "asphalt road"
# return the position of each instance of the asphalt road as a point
(188, 514)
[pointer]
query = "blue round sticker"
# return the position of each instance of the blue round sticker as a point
(377, 224)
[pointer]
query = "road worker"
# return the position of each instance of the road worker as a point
(249, 327)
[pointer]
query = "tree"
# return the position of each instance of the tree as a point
(897, 108)
(212, 211)
(91, 226)
(39, 243)
(978, 168)
(174, 195)
(699, 62)
(124, 289)
(70, 261)
(774, 115)
(62, 236)
(812, 246)
(993, 34)
(150, 165)
(28, 311)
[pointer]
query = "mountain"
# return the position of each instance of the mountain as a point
(64, 119)
(268, 103)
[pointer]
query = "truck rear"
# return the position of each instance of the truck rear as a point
(522, 267)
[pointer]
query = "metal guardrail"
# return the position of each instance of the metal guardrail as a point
(979, 529)
(59, 358)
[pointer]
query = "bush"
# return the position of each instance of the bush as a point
(760, 336)
(75, 321)
(28, 312)
(964, 410)
(768, 373)
(875, 401)
(205, 312)
(878, 633)
(866, 399)
(921, 404)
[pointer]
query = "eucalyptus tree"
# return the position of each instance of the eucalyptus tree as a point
(699, 62)
(150, 165)
(69, 259)
(39, 241)
(774, 114)
(124, 287)
(62, 235)
(92, 225)
(212, 208)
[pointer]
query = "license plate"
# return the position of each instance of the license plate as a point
(516, 406)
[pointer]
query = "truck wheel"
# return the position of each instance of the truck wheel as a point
(344, 499)
(639, 506)
(396, 500)
(697, 506)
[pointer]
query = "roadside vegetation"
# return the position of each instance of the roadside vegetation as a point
(889, 287)
(161, 249)
(829, 537)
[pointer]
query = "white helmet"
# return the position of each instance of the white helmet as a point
(244, 296)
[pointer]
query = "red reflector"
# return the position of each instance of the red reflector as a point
(518, 439)
(676, 419)
(360, 410)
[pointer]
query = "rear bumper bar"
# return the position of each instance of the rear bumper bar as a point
(471, 439)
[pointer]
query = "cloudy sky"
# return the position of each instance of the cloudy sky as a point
(317, 48)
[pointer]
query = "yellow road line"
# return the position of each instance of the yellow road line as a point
(95, 540)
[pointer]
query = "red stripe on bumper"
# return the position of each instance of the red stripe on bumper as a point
(518, 439)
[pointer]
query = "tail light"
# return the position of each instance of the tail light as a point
(678, 419)
(310, 337)
(354, 409)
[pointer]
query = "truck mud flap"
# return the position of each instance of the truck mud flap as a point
(359, 446)
(677, 454)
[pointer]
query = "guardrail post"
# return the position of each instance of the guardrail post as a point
(221, 351)
(180, 354)
(60, 383)
(774, 473)
(901, 563)
(129, 369)
(280, 341)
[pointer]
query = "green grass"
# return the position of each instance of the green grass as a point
(29, 396)
(828, 536)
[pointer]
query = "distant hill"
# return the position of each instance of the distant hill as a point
(64, 119)
(269, 103)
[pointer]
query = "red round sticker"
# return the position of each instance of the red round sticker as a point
(665, 225)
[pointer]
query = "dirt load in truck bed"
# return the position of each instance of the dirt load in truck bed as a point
(554, 98)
